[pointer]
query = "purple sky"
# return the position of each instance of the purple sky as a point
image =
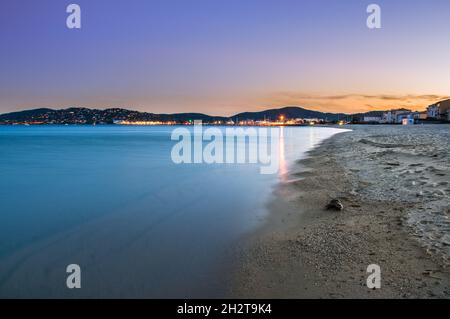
(223, 56)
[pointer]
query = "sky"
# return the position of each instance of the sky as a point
(221, 57)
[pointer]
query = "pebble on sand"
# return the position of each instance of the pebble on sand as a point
(335, 204)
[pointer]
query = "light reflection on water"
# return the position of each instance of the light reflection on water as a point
(283, 164)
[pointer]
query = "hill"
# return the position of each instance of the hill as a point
(291, 112)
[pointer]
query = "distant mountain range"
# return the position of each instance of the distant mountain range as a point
(290, 112)
(91, 116)
(108, 116)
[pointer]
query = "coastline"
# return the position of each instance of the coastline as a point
(305, 251)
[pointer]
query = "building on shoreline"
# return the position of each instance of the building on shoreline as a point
(439, 110)
(372, 119)
(405, 118)
(409, 120)
(420, 116)
(433, 111)
(395, 116)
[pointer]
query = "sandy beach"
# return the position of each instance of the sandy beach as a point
(393, 182)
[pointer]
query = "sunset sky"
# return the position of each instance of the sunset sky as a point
(221, 57)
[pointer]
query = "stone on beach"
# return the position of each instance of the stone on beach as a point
(335, 204)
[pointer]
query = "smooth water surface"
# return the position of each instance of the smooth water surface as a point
(110, 199)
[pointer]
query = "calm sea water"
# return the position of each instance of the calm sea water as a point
(110, 199)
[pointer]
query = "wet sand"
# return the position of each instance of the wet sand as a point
(393, 183)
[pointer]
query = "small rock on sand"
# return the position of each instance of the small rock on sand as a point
(335, 204)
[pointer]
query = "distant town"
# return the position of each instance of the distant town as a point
(437, 113)
(288, 116)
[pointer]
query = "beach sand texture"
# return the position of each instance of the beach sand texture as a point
(394, 184)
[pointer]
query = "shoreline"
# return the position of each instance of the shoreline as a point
(305, 251)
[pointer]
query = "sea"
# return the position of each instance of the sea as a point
(111, 200)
